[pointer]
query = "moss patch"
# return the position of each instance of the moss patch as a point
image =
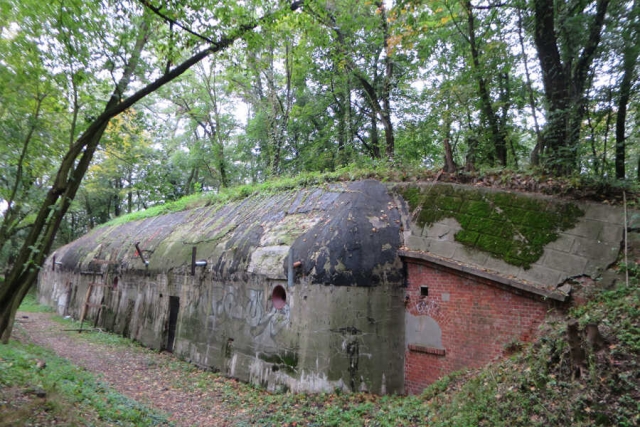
(511, 227)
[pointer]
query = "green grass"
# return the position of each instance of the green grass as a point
(61, 393)
(30, 304)
(72, 396)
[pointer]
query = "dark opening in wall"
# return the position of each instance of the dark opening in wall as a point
(279, 297)
(424, 291)
(115, 282)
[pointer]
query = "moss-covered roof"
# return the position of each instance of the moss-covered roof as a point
(343, 234)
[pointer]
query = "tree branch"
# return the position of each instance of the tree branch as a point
(157, 11)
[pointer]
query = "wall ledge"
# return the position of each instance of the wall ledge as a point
(428, 350)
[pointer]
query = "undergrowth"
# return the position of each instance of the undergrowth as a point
(30, 304)
(541, 387)
(230, 194)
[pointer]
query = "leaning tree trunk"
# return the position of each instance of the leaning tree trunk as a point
(57, 202)
(73, 168)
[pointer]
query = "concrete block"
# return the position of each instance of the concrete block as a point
(609, 278)
(441, 232)
(563, 244)
(416, 243)
(599, 252)
(594, 269)
(633, 219)
(422, 330)
(452, 223)
(416, 229)
(604, 213)
(542, 275)
(612, 233)
(569, 264)
(587, 228)
(470, 256)
(268, 261)
(496, 264)
(633, 240)
(442, 248)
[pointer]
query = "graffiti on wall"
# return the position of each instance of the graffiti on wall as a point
(428, 307)
(250, 308)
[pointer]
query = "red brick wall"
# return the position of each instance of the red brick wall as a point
(478, 322)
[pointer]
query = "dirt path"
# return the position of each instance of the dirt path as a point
(138, 373)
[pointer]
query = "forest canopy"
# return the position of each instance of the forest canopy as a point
(111, 106)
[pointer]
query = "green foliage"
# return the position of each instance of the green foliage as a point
(510, 226)
(618, 309)
(239, 192)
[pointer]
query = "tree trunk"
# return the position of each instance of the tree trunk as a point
(117, 203)
(385, 111)
(130, 193)
(380, 104)
(218, 139)
(564, 84)
(449, 163)
(40, 239)
(630, 56)
(375, 141)
(497, 134)
(576, 352)
(537, 150)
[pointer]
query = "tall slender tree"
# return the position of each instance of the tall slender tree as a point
(567, 36)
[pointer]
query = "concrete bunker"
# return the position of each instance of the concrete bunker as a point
(301, 290)
(351, 286)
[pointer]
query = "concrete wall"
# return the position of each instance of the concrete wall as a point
(324, 338)
(463, 322)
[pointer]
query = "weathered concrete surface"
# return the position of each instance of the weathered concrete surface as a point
(341, 326)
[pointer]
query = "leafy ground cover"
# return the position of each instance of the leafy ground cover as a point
(539, 385)
(39, 388)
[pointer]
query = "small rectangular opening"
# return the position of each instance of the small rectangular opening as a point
(174, 307)
(424, 291)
